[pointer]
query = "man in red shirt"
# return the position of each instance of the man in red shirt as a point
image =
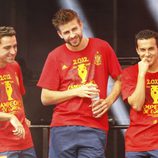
(15, 136)
(75, 74)
(140, 90)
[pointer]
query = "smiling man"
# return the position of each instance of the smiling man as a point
(73, 74)
(15, 136)
(140, 90)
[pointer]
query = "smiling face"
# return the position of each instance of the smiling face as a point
(148, 49)
(8, 50)
(71, 32)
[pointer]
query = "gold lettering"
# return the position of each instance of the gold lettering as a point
(153, 81)
(10, 106)
(80, 60)
(79, 85)
(5, 77)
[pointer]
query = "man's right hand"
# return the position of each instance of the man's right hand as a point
(87, 91)
(143, 67)
(19, 129)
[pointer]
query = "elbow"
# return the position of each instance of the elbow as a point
(136, 104)
(137, 107)
(44, 101)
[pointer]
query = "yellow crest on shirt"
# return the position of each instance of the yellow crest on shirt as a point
(97, 58)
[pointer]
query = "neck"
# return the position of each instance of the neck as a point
(2, 65)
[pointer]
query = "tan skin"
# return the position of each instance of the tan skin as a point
(8, 51)
(72, 34)
(148, 52)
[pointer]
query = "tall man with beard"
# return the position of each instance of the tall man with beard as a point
(75, 74)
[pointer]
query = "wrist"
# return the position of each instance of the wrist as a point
(11, 116)
(72, 93)
(142, 75)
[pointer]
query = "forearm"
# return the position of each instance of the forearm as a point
(5, 116)
(49, 97)
(100, 107)
(136, 100)
(116, 89)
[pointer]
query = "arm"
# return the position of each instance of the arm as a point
(49, 97)
(5, 116)
(101, 106)
(136, 100)
(19, 129)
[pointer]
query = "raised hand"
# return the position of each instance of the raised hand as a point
(143, 66)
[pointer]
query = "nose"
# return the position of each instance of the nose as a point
(13, 51)
(147, 53)
(72, 34)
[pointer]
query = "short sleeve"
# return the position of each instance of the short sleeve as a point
(49, 78)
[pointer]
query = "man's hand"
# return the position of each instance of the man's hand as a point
(87, 91)
(100, 107)
(143, 66)
(28, 122)
(19, 129)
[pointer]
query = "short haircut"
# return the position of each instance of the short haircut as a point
(7, 31)
(63, 16)
(146, 34)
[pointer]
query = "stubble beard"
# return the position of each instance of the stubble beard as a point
(79, 38)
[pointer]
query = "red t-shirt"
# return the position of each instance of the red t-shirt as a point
(142, 134)
(11, 91)
(65, 69)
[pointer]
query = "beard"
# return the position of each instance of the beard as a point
(75, 41)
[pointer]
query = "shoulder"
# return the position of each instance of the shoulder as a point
(131, 70)
(132, 67)
(57, 51)
(101, 45)
(99, 41)
(55, 55)
(14, 65)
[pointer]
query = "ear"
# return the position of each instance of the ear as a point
(137, 50)
(60, 35)
(81, 24)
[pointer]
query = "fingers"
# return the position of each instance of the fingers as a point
(93, 91)
(99, 108)
(98, 111)
(28, 122)
(19, 131)
(87, 91)
(99, 114)
(18, 127)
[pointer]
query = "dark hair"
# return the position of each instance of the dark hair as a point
(63, 16)
(146, 34)
(7, 31)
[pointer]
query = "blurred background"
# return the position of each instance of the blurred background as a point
(116, 21)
